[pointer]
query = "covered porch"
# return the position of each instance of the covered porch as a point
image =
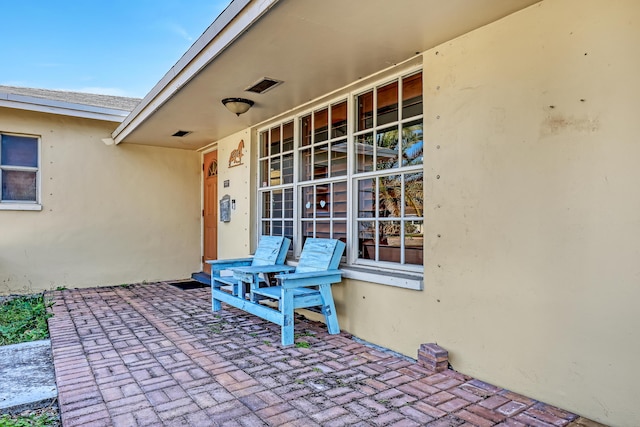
(154, 354)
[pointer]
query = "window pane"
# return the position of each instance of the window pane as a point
(367, 239)
(321, 162)
(275, 176)
(390, 242)
(412, 143)
(413, 243)
(264, 144)
(391, 232)
(19, 185)
(390, 193)
(266, 205)
(365, 111)
(320, 126)
(266, 228)
(340, 199)
(364, 153)
(366, 199)
(287, 137)
(387, 151)
(413, 196)
(340, 231)
(288, 230)
(305, 164)
(323, 200)
(308, 202)
(323, 229)
(307, 229)
(19, 151)
(288, 203)
(276, 228)
(412, 96)
(305, 130)
(287, 168)
(339, 158)
(339, 120)
(275, 140)
(264, 173)
(388, 103)
(277, 205)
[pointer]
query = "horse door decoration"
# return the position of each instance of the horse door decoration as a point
(235, 159)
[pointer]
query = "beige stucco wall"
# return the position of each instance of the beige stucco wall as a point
(111, 214)
(234, 237)
(531, 123)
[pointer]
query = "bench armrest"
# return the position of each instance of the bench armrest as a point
(229, 261)
(311, 278)
(226, 264)
(257, 269)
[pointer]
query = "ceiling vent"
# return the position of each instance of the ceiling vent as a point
(263, 85)
(181, 133)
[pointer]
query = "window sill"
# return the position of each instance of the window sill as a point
(384, 277)
(20, 207)
(381, 277)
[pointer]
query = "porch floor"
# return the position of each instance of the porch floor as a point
(153, 354)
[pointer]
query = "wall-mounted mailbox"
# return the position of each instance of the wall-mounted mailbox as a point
(225, 208)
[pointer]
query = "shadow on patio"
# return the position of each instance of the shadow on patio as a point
(153, 354)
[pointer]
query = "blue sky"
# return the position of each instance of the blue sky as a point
(113, 47)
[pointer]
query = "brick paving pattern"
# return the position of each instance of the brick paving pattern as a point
(155, 355)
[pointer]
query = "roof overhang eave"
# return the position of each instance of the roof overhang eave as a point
(227, 27)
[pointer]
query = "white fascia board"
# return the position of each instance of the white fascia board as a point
(41, 105)
(220, 35)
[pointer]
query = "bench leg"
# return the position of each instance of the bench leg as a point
(286, 308)
(216, 305)
(329, 309)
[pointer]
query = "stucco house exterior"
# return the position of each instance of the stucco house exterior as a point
(478, 157)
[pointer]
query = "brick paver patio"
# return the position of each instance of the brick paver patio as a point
(153, 355)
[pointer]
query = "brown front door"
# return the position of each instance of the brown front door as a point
(210, 214)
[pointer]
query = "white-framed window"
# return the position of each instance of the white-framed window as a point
(19, 172)
(351, 169)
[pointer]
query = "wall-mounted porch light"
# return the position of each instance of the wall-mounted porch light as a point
(237, 105)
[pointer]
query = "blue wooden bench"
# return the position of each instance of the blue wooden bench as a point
(306, 285)
(272, 250)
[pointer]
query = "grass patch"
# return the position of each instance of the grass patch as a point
(303, 344)
(23, 319)
(43, 420)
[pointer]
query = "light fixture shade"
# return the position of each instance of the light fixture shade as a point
(237, 105)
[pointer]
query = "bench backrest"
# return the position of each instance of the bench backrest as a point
(320, 255)
(271, 250)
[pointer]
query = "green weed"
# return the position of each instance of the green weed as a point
(26, 420)
(24, 319)
(303, 344)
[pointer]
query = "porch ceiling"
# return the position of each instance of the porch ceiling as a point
(315, 47)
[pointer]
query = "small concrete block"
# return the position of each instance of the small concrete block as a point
(26, 374)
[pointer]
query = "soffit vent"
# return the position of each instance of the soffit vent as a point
(181, 133)
(263, 85)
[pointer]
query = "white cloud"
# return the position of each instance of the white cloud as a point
(179, 30)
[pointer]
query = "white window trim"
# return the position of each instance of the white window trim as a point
(406, 276)
(10, 205)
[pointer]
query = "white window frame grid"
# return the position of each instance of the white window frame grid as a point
(376, 173)
(23, 205)
(351, 177)
(279, 187)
